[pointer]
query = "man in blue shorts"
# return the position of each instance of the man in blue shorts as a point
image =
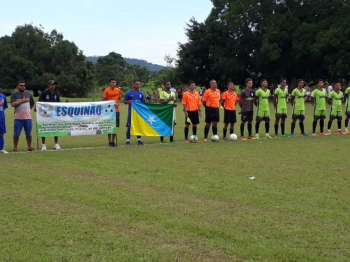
(23, 102)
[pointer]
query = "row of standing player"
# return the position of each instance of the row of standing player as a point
(248, 98)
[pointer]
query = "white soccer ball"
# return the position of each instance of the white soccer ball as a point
(193, 139)
(233, 137)
(215, 138)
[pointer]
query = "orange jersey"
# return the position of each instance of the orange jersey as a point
(230, 100)
(110, 94)
(212, 98)
(192, 101)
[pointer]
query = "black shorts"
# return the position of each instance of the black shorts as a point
(333, 117)
(281, 116)
(260, 119)
(247, 116)
(117, 118)
(230, 116)
(212, 115)
(193, 116)
(298, 117)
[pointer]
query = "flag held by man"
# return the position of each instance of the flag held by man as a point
(152, 119)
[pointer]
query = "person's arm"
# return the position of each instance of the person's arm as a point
(19, 102)
(127, 100)
(292, 98)
(32, 103)
(274, 100)
(222, 102)
(255, 101)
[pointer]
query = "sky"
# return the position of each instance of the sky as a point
(140, 29)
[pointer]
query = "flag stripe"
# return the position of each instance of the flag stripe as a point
(164, 112)
(139, 127)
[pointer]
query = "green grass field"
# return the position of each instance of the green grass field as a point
(192, 202)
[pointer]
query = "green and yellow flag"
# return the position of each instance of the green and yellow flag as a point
(152, 119)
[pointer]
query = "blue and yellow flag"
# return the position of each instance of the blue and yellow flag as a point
(152, 119)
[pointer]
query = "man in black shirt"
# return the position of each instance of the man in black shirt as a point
(50, 95)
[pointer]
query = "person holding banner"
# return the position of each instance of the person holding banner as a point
(23, 102)
(113, 93)
(192, 108)
(167, 97)
(50, 95)
(3, 106)
(133, 95)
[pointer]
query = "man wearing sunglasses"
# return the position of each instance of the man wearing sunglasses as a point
(23, 102)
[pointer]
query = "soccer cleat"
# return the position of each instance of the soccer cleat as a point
(268, 136)
(140, 143)
(329, 132)
(347, 132)
(304, 134)
(43, 147)
(172, 142)
(313, 134)
(225, 139)
(3, 151)
(339, 132)
(162, 142)
(257, 136)
(127, 143)
(285, 135)
(323, 133)
(243, 138)
(205, 140)
(252, 138)
(57, 147)
(277, 136)
(292, 135)
(187, 141)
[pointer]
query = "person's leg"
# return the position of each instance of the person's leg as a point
(347, 123)
(114, 136)
(206, 130)
(267, 127)
(293, 126)
(194, 130)
(314, 125)
(18, 125)
(257, 127)
(56, 139)
(128, 134)
(43, 140)
(28, 132)
(2, 142)
(283, 126)
(250, 125)
(162, 139)
(215, 128)
(330, 125)
(232, 126)
(301, 125)
(322, 125)
(242, 128)
(187, 127)
(224, 131)
(109, 139)
(339, 125)
(276, 126)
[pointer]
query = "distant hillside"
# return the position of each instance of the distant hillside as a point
(133, 61)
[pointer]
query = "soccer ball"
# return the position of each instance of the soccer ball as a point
(233, 137)
(215, 138)
(193, 139)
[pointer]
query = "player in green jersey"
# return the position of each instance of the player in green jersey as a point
(168, 97)
(298, 103)
(347, 110)
(319, 99)
(261, 101)
(335, 100)
(280, 104)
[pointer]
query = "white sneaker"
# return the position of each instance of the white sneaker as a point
(43, 147)
(57, 147)
(3, 151)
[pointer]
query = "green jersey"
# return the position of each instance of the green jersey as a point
(320, 97)
(282, 95)
(165, 96)
(299, 102)
(263, 100)
(347, 92)
(336, 98)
